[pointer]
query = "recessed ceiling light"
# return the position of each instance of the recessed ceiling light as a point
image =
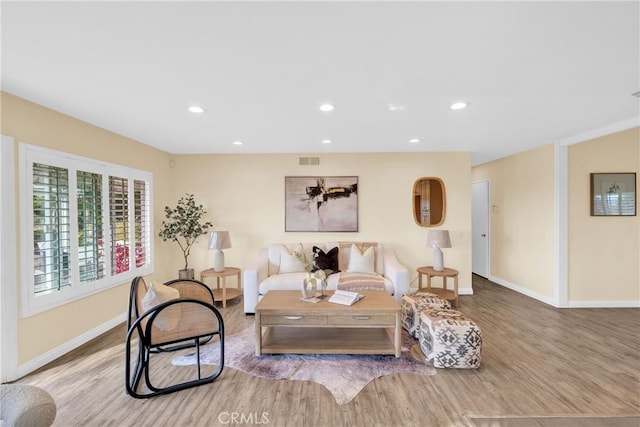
(326, 141)
(196, 109)
(238, 142)
(414, 140)
(396, 107)
(327, 107)
(458, 105)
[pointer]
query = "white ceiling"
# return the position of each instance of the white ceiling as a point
(532, 72)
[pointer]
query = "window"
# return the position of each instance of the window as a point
(119, 224)
(142, 232)
(51, 230)
(85, 226)
(90, 252)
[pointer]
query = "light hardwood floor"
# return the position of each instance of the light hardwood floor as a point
(537, 361)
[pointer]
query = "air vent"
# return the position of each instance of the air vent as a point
(637, 94)
(309, 161)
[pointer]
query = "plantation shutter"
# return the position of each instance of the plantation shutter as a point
(90, 238)
(51, 223)
(141, 218)
(119, 224)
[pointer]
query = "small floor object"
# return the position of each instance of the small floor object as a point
(449, 339)
(413, 304)
(26, 405)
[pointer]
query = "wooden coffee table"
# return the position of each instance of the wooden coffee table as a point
(285, 324)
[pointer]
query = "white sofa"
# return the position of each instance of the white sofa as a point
(273, 269)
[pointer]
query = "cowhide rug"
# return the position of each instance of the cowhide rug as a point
(343, 375)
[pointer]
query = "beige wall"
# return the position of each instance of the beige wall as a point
(604, 252)
(522, 226)
(245, 195)
(34, 124)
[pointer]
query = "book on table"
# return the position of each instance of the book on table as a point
(345, 297)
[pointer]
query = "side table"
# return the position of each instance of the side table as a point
(444, 293)
(223, 294)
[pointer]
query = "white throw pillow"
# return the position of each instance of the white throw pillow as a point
(361, 262)
(156, 295)
(288, 261)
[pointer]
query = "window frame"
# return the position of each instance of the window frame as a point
(28, 155)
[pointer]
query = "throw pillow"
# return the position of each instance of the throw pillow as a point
(289, 263)
(326, 261)
(156, 295)
(345, 250)
(361, 262)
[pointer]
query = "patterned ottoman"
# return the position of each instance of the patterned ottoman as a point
(449, 339)
(413, 304)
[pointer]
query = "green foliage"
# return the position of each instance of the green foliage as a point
(184, 225)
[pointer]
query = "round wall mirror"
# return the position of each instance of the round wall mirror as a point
(429, 202)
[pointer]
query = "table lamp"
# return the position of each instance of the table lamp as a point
(438, 239)
(219, 240)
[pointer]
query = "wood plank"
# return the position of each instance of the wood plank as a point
(288, 302)
(537, 360)
(327, 341)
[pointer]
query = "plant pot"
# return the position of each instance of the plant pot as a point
(186, 274)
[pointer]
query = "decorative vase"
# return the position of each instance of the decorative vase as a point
(311, 286)
(186, 273)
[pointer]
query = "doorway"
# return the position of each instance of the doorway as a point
(480, 228)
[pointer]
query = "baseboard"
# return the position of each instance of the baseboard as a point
(50, 356)
(603, 304)
(524, 291)
(570, 304)
(465, 291)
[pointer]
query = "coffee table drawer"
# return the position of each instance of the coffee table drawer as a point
(281, 320)
(364, 320)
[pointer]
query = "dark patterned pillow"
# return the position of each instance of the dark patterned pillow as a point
(325, 261)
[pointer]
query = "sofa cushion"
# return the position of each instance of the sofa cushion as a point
(326, 261)
(345, 250)
(283, 282)
(361, 261)
(274, 252)
(156, 295)
(289, 263)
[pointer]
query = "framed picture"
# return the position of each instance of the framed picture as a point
(613, 194)
(321, 203)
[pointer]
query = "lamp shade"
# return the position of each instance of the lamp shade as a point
(219, 240)
(438, 239)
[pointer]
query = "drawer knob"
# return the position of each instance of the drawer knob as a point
(361, 317)
(293, 317)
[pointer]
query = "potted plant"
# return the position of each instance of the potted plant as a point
(184, 225)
